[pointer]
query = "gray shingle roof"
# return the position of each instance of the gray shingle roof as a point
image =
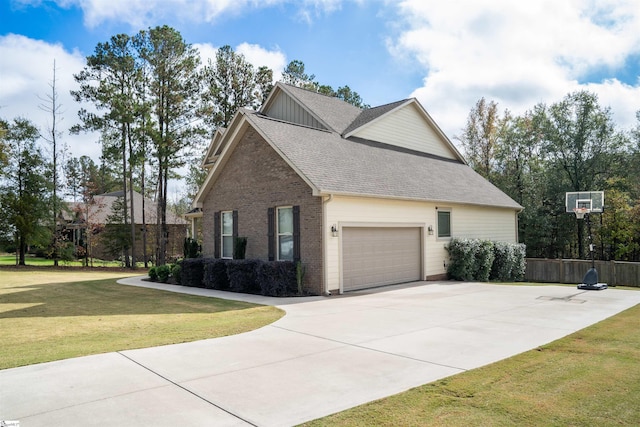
(333, 111)
(348, 166)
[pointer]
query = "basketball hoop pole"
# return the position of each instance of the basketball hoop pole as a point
(591, 248)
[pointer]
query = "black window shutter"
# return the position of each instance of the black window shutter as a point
(296, 233)
(235, 230)
(216, 234)
(271, 226)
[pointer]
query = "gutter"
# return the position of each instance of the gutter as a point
(325, 266)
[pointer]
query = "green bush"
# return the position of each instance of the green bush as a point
(191, 248)
(483, 260)
(153, 274)
(239, 247)
(176, 273)
(164, 271)
(462, 258)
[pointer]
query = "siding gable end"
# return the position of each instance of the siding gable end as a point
(407, 127)
(285, 108)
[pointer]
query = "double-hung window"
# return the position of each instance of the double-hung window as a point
(444, 223)
(285, 233)
(226, 233)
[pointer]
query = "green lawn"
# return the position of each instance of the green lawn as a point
(43, 262)
(590, 378)
(50, 315)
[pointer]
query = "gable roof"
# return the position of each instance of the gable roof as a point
(102, 207)
(336, 161)
(334, 113)
(334, 165)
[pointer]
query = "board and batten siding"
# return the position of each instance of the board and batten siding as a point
(286, 109)
(407, 128)
(498, 224)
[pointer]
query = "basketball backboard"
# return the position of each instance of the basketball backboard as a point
(584, 201)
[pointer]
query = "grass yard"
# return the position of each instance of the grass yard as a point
(50, 315)
(590, 378)
(43, 262)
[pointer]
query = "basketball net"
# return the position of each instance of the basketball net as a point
(580, 212)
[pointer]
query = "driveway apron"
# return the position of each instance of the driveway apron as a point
(326, 355)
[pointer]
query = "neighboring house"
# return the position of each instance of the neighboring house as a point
(97, 215)
(362, 198)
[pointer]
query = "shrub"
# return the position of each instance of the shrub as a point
(519, 262)
(191, 248)
(484, 260)
(176, 273)
(153, 274)
(215, 274)
(192, 272)
(163, 271)
(461, 259)
(503, 261)
(243, 275)
(277, 278)
(239, 247)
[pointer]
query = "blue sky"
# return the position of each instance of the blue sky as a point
(446, 54)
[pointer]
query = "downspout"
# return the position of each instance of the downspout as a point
(325, 242)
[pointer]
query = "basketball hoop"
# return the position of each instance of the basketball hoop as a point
(580, 212)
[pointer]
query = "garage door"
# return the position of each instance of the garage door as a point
(375, 256)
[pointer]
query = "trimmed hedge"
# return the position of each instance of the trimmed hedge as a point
(215, 274)
(277, 278)
(176, 273)
(243, 275)
(153, 274)
(251, 276)
(192, 272)
(483, 260)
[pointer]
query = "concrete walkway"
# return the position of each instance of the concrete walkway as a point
(326, 355)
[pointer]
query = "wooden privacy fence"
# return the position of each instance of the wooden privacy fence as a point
(614, 273)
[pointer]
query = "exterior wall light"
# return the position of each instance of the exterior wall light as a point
(334, 231)
(430, 230)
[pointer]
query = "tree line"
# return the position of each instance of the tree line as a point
(569, 145)
(154, 105)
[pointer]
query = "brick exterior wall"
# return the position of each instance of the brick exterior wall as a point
(254, 179)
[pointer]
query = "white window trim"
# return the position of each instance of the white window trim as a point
(278, 234)
(449, 210)
(223, 235)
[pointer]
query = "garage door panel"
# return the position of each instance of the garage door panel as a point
(377, 256)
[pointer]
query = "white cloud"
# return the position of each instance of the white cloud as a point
(517, 53)
(259, 56)
(140, 13)
(25, 85)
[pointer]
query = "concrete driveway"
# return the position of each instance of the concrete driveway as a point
(324, 356)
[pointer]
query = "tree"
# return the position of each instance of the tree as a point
(480, 136)
(580, 141)
(50, 105)
(173, 88)
(294, 74)
(24, 188)
(232, 83)
(111, 81)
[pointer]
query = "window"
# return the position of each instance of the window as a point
(285, 233)
(444, 223)
(227, 234)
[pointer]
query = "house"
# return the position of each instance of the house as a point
(102, 213)
(362, 198)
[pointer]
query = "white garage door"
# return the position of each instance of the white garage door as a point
(376, 256)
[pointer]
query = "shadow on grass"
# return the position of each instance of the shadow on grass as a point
(103, 298)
